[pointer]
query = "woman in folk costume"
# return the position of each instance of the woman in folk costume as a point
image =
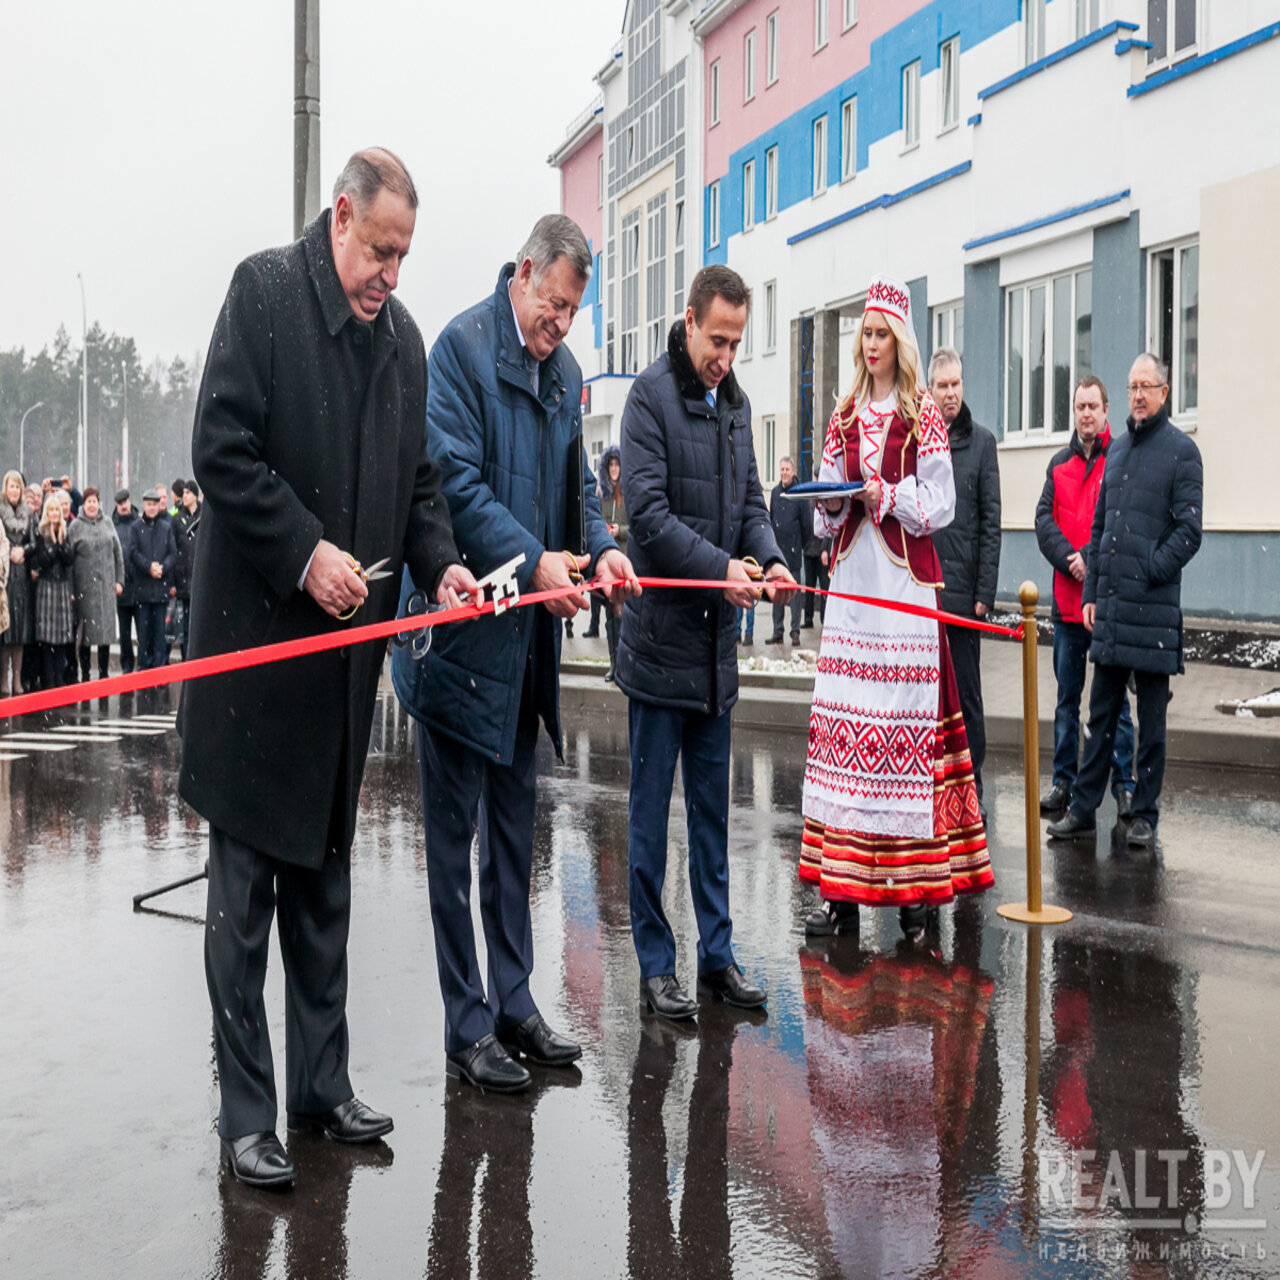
(890, 810)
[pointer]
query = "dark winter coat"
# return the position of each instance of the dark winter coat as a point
(152, 543)
(792, 521)
(1064, 516)
(969, 547)
(51, 563)
(20, 531)
(691, 486)
(98, 566)
(126, 527)
(186, 527)
(503, 453)
(1146, 528)
(308, 425)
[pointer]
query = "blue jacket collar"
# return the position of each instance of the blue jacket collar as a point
(511, 353)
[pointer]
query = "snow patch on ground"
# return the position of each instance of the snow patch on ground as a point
(802, 662)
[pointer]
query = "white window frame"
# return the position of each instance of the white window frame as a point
(945, 325)
(849, 14)
(820, 155)
(1044, 432)
(771, 184)
(1172, 56)
(1033, 24)
(1180, 414)
(748, 195)
(632, 273)
(749, 65)
(821, 24)
(714, 92)
(849, 138)
(911, 105)
(713, 215)
(770, 427)
(1088, 17)
(949, 93)
(746, 348)
(770, 317)
(772, 49)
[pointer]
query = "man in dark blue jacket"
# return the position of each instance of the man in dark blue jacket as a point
(154, 554)
(697, 511)
(792, 521)
(1146, 528)
(503, 412)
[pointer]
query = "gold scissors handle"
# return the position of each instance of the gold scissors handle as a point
(372, 574)
(575, 574)
(752, 566)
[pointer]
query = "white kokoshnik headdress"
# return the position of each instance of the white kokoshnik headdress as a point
(892, 297)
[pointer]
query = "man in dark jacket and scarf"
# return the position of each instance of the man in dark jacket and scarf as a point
(503, 412)
(792, 519)
(969, 547)
(697, 511)
(1064, 524)
(153, 554)
(1146, 528)
(126, 521)
(310, 448)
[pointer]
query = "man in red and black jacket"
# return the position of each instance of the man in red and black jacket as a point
(1064, 520)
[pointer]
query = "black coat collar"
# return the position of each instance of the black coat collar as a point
(1138, 431)
(687, 381)
(324, 277)
(961, 429)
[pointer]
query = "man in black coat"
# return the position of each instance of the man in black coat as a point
(186, 528)
(1146, 527)
(153, 554)
(697, 510)
(791, 519)
(969, 547)
(310, 447)
(125, 519)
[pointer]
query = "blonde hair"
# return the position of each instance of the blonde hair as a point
(46, 529)
(22, 485)
(907, 382)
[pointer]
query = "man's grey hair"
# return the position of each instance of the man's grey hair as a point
(788, 461)
(370, 171)
(1162, 369)
(556, 236)
(944, 356)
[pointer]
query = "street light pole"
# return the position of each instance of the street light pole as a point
(82, 443)
(124, 430)
(306, 113)
(22, 438)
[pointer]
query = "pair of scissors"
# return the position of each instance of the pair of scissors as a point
(373, 573)
(575, 574)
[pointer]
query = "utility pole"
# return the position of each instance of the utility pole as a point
(124, 430)
(306, 113)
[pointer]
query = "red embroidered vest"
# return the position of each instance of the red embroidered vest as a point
(897, 459)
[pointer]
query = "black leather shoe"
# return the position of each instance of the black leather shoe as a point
(591, 633)
(830, 919)
(912, 919)
(1056, 799)
(258, 1160)
(350, 1121)
(534, 1040)
(608, 676)
(488, 1066)
(1124, 802)
(729, 985)
(795, 637)
(1071, 827)
(1141, 835)
(775, 639)
(666, 997)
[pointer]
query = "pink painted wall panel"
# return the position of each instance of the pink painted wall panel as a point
(580, 189)
(803, 74)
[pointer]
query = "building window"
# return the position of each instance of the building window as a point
(819, 155)
(1171, 28)
(1087, 17)
(771, 35)
(911, 105)
(850, 14)
(771, 316)
(821, 15)
(713, 215)
(714, 92)
(948, 327)
(749, 66)
(631, 292)
(631, 145)
(748, 195)
(600, 183)
(679, 224)
(747, 347)
(1173, 325)
(770, 448)
(1032, 31)
(771, 183)
(1048, 348)
(656, 277)
(949, 66)
(848, 139)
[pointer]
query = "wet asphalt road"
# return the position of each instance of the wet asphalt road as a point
(903, 1111)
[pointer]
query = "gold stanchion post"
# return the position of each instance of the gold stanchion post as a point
(1033, 911)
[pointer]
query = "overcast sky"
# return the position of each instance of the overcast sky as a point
(149, 144)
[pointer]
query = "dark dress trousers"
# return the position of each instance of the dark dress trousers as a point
(309, 424)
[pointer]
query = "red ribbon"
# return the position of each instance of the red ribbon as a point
(219, 664)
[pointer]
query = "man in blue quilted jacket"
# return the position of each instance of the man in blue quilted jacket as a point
(1146, 528)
